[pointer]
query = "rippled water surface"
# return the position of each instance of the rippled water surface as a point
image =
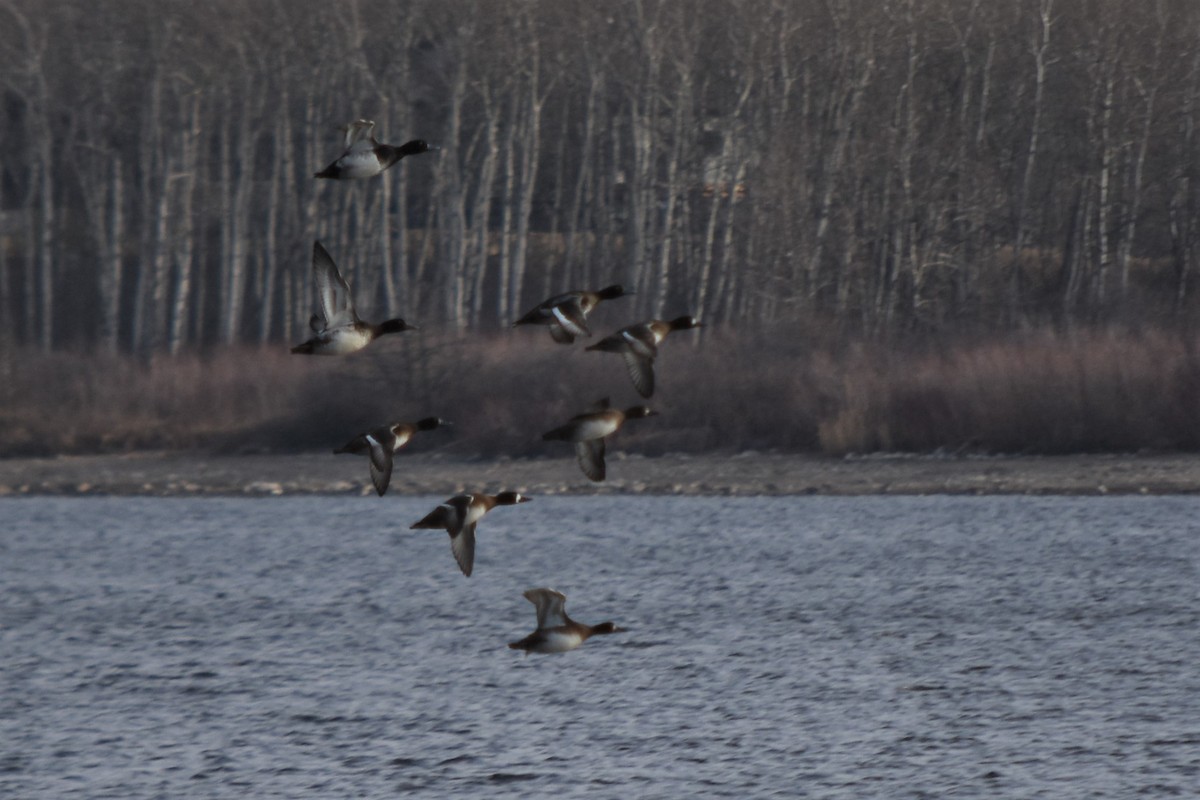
(821, 647)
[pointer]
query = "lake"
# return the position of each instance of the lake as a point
(853, 647)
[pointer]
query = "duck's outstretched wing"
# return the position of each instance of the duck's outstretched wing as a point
(358, 134)
(332, 290)
(638, 339)
(551, 607)
(641, 372)
(590, 455)
(463, 547)
(380, 456)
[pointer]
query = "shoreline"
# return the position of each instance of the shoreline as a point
(166, 474)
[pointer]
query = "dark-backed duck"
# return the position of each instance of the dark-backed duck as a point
(365, 157)
(638, 345)
(381, 444)
(337, 329)
(566, 314)
(588, 431)
(556, 632)
(458, 515)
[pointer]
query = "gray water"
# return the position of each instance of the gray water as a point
(797, 647)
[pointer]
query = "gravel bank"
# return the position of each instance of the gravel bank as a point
(176, 473)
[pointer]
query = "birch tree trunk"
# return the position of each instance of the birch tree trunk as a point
(481, 212)
(1040, 48)
(530, 145)
(846, 103)
(577, 228)
(1183, 206)
(237, 221)
(674, 156)
(155, 316)
(184, 238)
(453, 214)
(1148, 93)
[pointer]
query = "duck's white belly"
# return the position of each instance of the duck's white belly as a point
(594, 429)
(560, 642)
(342, 341)
(359, 165)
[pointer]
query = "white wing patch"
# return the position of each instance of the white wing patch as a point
(644, 346)
(572, 324)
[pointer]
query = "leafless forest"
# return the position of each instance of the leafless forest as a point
(869, 173)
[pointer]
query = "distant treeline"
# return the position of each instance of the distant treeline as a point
(890, 166)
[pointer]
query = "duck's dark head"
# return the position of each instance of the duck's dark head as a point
(395, 326)
(613, 292)
(511, 498)
(683, 323)
(637, 412)
(416, 146)
(606, 627)
(431, 423)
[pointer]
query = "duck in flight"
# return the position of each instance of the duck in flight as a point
(566, 314)
(458, 516)
(381, 444)
(337, 330)
(556, 632)
(638, 345)
(365, 157)
(589, 430)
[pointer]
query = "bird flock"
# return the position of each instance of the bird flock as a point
(337, 330)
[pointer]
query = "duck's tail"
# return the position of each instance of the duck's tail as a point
(434, 519)
(559, 434)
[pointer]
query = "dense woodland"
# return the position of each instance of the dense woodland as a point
(886, 166)
(907, 225)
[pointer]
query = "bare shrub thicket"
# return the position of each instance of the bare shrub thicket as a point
(1039, 392)
(1033, 393)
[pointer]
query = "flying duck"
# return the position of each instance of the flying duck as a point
(588, 431)
(458, 515)
(638, 345)
(381, 444)
(365, 157)
(566, 313)
(337, 329)
(556, 632)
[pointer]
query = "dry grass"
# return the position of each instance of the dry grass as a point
(1037, 393)
(1040, 392)
(72, 403)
